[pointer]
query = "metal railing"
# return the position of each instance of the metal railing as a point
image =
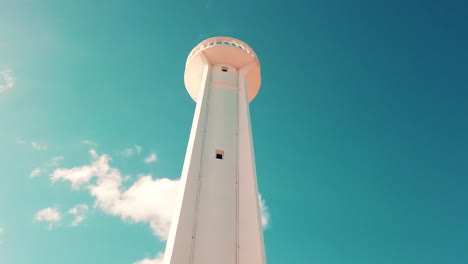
(223, 41)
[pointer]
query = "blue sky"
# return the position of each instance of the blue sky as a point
(360, 127)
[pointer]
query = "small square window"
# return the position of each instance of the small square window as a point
(224, 69)
(219, 154)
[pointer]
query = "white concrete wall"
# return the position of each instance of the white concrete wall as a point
(180, 242)
(251, 245)
(217, 220)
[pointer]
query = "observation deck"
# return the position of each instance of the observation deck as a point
(222, 50)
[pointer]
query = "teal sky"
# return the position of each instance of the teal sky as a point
(360, 127)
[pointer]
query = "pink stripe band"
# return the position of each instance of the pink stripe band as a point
(225, 85)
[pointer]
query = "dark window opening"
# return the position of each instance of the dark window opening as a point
(219, 154)
(224, 68)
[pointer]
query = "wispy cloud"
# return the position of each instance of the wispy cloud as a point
(93, 153)
(7, 80)
(36, 172)
(50, 215)
(38, 146)
(54, 162)
(264, 211)
(79, 175)
(138, 149)
(151, 158)
(79, 212)
(88, 142)
(34, 144)
(128, 152)
(131, 151)
(157, 260)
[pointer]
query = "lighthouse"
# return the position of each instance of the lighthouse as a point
(217, 218)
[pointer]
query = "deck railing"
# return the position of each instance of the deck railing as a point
(223, 41)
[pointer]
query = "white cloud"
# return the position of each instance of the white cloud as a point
(54, 162)
(50, 214)
(147, 200)
(81, 175)
(35, 172)
(76, 176)
(151, 158)
(79, 212)
(38, 146)
(157, 260)
(7, 80)
(264, 211)
(138, 149)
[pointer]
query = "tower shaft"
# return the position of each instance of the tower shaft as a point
(217, 216)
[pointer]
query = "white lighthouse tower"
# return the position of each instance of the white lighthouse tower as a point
(217, 218)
